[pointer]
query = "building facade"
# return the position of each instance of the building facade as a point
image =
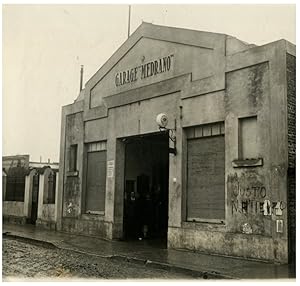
(218, 178)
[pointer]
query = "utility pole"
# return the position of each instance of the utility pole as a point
(129, 20)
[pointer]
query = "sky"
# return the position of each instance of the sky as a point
(43, 47)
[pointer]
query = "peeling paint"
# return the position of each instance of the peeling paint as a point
(246, 228)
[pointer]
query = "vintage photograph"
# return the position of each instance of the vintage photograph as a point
(148, 142)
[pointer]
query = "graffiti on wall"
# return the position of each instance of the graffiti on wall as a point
(72, 196)
(265, 207)
(252, 198)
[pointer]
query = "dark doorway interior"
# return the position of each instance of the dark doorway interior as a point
(35, 199)
(146, 187)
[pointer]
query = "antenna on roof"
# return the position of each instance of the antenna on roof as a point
(129, 20)
(81, 77)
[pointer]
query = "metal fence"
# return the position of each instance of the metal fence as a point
(15, 184)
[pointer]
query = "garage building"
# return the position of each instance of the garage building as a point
(218, 176)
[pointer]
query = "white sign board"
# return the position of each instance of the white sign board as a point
(110, 168)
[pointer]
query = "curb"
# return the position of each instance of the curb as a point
(30, 240)
(172, 268)
(123, 258)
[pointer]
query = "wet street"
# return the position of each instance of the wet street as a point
(22, 259)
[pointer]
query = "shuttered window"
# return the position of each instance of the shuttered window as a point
(96, 178)
(206, 173)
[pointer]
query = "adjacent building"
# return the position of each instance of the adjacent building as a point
(215, 173)
(28, 191)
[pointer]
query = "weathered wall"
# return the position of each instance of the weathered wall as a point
(46, 212)
(71, 217)
(95, 130)
(217, 241)
(88, 225)
(13, 212)
(183, 58)
(208, 88)
(247, 94)
(19, 212)
(46, 218)
(73, 181)
(203, 109)
(139, 118)
(13, 208)
(193, 49)
(256, 202)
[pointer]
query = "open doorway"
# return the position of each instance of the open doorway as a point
(35, 198)
(146, 187)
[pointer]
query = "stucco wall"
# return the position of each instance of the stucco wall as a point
(46, 212)
(73, 182)
(13, 212)
(247, 94)
(199, 89)
(46, 218)
(256, 193)
(183, 59)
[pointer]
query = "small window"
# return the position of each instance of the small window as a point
(248, 138)
(73, 158)
(205, 130)
(97, 146)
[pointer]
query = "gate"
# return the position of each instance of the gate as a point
(15, 188)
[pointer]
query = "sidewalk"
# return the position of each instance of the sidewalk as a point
(197, 264)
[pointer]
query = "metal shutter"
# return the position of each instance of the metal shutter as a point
(96, 182)
(206, 178)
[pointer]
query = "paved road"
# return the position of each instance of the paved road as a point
(22, 259)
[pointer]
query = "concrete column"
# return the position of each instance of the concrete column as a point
(279, 147)
(41, 195)
(119, 190)
(28, 193)
(56, 214)
(175, 183)
(176, 175)
(110, 183)
(60, 190)
(43, 190)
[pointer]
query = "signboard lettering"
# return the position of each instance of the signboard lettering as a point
(143, 71)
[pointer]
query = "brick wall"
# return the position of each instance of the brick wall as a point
(291, 105)
(291, 101)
